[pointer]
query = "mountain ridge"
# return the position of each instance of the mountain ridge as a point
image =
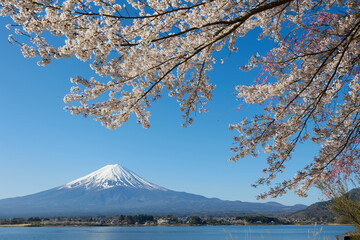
(116, 190)
(320, 210)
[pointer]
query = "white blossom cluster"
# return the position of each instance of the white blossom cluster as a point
(148, 46)
(311, 91)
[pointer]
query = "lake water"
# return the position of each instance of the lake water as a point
(288, 232)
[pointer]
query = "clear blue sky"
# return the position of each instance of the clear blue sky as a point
(42, 146)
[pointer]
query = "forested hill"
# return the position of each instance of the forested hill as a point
(320, 210)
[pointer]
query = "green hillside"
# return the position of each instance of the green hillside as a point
(320, 212)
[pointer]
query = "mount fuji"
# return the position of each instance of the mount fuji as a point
(114, 189)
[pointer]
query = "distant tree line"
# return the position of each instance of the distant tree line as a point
(139, 219)
(260, 220)
(143, 219)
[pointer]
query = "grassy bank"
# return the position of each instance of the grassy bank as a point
(16, 225)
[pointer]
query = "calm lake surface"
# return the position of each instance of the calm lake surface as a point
(173, 233)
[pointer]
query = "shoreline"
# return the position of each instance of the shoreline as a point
(17, 225)
(170, 225)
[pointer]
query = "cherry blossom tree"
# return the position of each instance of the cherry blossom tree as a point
(308, 84)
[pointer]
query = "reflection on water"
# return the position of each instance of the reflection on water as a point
(174, 233)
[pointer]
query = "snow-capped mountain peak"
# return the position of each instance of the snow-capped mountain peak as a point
(111, 176)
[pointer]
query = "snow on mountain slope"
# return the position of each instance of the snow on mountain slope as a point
(116, 190)
(111, 176)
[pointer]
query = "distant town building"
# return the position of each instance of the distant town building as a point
(162, 221)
